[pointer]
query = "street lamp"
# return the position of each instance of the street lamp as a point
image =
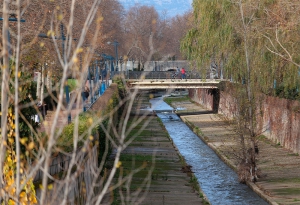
(115, 43)
(132, 59)
(63, 38)
(121, 63)
(110, 66)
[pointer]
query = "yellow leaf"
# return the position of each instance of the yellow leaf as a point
(19, 74)
(11, 202)
(79, 50)
(30, 146)
(9, 159)
(34, 201)
(91, 137)
(10, 173)
(10, 182)
(23, 194)
(99, 19)
(60, 17)
(50, 33)
(118, 164)
(23, 140)
(90, 121)
(42, 44)
(50, 186)
(75, 60)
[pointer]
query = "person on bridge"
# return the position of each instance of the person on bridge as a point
(182, 73)
(178, 71)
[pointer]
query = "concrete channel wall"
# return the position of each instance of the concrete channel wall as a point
(278, 119)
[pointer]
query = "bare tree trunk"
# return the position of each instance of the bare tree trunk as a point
(4, 86)
(249, 95)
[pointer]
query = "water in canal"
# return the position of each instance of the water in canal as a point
(218, 181)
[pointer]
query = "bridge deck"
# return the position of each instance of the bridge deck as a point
(172, 84)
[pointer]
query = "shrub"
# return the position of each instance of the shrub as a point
(65, 140)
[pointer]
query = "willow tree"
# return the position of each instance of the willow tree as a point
(212, 37)
(242, 37)
(282, 32)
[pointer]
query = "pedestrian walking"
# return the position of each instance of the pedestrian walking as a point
(86, 93)
(178, 71)
(183, 73)
(174, 75)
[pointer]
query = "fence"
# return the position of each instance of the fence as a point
(59, 164)
(158, 74)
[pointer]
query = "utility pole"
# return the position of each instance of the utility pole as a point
(115, 43)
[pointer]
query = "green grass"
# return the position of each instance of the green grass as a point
(285, 180)
(142, 133)
(288, 191)
(130, 157)
(170, 100)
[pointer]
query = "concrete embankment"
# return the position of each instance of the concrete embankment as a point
(280, 168)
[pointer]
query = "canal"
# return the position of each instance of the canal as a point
(218, 182)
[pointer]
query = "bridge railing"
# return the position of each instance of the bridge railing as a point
(157, 75)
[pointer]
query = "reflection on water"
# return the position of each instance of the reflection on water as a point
(217, 180)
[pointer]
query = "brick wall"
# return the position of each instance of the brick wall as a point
(278, 119)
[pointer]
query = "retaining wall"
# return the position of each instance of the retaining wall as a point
(278, 119)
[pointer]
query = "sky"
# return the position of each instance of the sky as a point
(172, 7)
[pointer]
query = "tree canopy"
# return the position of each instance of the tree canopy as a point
(272, 30)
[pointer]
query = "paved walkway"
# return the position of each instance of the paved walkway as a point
(61, 122)
(279, 182)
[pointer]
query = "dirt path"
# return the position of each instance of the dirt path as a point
(279, 182)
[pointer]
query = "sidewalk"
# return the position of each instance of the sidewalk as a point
(279, 182)
(63, 115)
(62, 119)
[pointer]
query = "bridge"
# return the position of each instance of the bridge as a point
(167, 80)
(172, 84)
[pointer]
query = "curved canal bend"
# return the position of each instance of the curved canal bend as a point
(218, 181)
